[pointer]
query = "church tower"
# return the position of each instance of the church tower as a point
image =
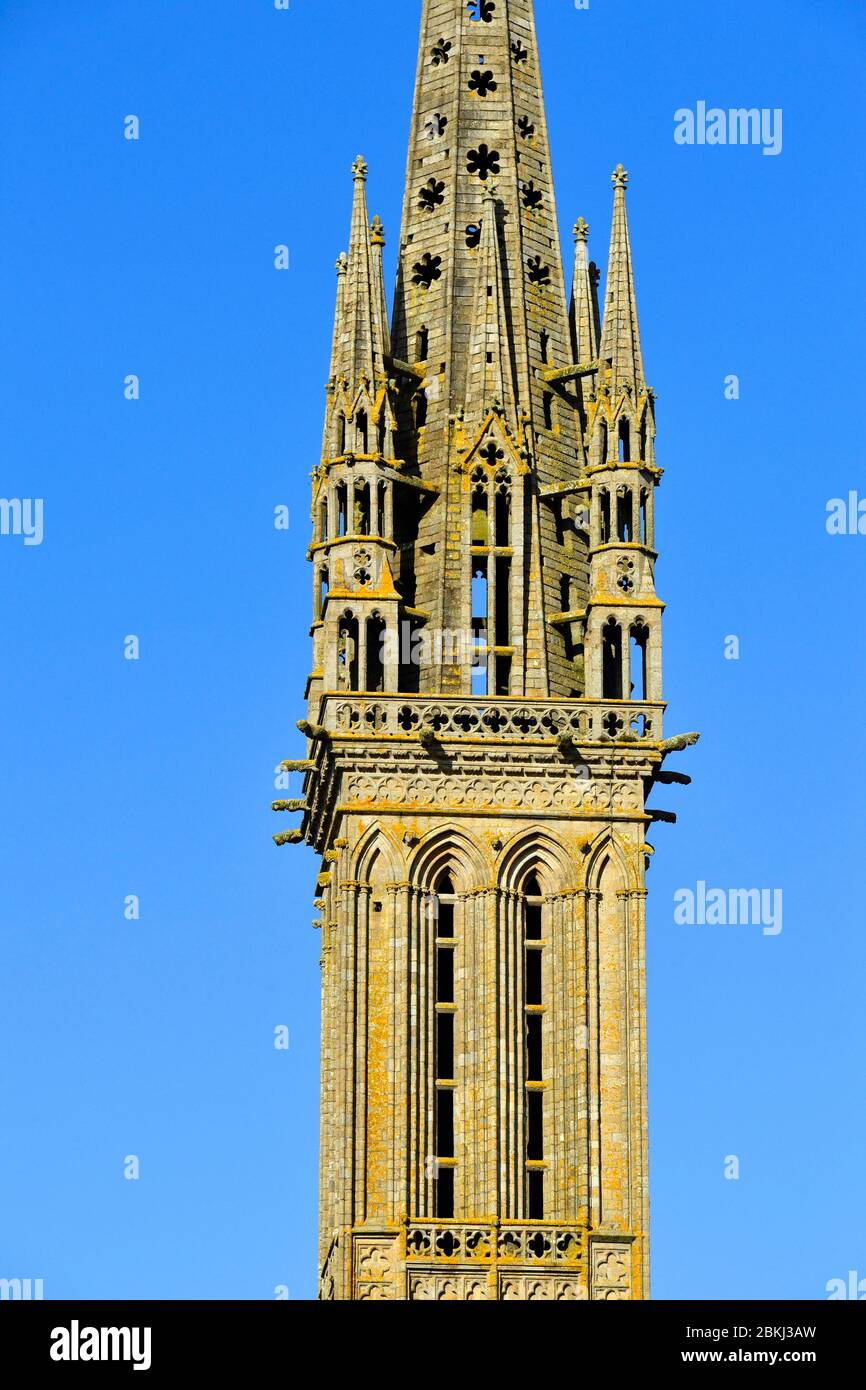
(484, 717)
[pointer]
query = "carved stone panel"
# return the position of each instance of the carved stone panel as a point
(527, 1288)
(565, 793)
(448, 1288)
(375, 1269)
(611, 1272)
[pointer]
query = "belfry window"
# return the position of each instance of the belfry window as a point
(624, 514)
(342, 510)
(422, 343)
(444, 1052)
(421, 409)
(321, 592)
(639, 640)
(361, 431)
(503, 510)
(479, 626)
(491, 531)
(602, 444)
(624, 441)
(611, 660)
(480, 527)
(347, 653)
(503, 601)
(644, 517)
(604, 519)
(533, 1010)
(361, 513)
(375, 653)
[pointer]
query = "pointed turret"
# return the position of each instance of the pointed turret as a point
(490, 376)
(377, 242)
(363, 340)
(584, 314)
(620, 351)
(342, 268)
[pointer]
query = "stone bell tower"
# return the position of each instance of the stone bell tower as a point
(484, 720)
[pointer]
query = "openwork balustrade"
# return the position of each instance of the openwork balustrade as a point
(584, 720)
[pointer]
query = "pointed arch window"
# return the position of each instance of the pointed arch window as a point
(361, 432)
(375, 653)
(342, 509)
(644, 518)
(534, 1043)
(321, 591)
(480, 600)
(624, 441)
(602, 443)
(624, 521)
(604, 516)
(480, 530)
(639, 642)
(361, 512)
(611, 660)
(503, 508)
(491, 574)
(347, 652)
(444, 1063)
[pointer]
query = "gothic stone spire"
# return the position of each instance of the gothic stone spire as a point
(620, 351)
(364, 337)
(479, 119)
(584, 299)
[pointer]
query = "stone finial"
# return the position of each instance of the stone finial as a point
(359, 168)
(342, 263)
(581, 230)
(377, 232)
(619, 177)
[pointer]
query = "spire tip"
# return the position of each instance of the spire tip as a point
(581, 230)
(359, 168)
(619, 178)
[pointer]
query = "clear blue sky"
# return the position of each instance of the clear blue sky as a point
(154, 777)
